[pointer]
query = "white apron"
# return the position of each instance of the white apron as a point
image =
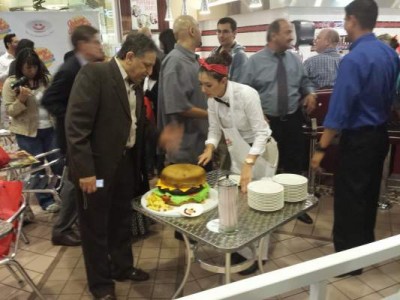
(265, 165)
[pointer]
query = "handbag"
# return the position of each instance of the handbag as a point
(4, 157)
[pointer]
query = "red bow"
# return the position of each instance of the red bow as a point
(220, 69)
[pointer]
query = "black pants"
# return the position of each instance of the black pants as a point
(105, 225)
(357, 183)
(288, 133)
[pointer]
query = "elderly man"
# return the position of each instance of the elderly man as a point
(284, 88)
(179, 95)
(105, 136)
(322, 68)
(359, 108)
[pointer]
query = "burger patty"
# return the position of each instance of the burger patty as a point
(178, 192)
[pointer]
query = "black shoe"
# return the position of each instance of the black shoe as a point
(68, 239)
(252, 269)
(237, 258)
(106, 297)
(135, 275)
(352, 273)
(305, 218)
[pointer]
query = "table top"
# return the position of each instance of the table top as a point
(253, 224)
(5, 228)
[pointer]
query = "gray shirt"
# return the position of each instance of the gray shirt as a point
(261, 75)
(179, 90)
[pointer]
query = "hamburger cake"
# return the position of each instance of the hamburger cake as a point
(180, 184)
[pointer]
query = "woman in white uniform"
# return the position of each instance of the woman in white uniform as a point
(235, 109)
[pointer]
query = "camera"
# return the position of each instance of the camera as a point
(20, 82)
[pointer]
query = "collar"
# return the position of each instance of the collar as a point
(364, 38)
(329, 50)
(81, 59)
(8, 55)
(193, 56)
(272, 52)
(225, 97)
(124, 74)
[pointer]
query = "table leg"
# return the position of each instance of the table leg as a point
(260, 252)
(227, 268)
(188, 265)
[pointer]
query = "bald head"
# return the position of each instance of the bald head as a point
(187, 32)
(326, 38)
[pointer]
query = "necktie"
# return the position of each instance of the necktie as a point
(220, 101)
(283, 99)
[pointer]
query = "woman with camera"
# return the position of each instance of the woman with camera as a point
(30, 122)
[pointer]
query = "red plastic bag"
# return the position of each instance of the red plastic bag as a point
(4, 157)
(10, 202)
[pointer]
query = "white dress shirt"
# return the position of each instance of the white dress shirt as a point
(132, 105)
(5, 61)
(246, 114)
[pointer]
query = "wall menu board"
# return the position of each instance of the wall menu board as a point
(49, 30)
(144, 14)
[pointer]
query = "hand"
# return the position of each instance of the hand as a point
(310, 102)
(88, 184)
(171, 137)
(24, 93)
(245, 177)
(316, 159)
(205, 157)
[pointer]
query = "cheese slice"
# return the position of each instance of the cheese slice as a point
(161, 185)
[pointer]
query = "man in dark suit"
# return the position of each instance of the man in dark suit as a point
(105, 126)
(87, 48)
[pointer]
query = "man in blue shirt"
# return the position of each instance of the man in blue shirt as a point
(359, 108)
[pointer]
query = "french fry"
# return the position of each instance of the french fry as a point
(156, 203)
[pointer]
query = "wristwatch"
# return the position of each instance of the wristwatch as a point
(250, 161)
(318, 148)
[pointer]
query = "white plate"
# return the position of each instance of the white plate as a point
(191, 210)
(265, 187)
(208, 204)
(290, 179)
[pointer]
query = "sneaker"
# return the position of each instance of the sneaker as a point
(52, 208)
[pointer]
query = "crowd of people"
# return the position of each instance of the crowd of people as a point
(118, 121)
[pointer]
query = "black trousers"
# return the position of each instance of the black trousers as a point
(357, 184)
(105, 224)
(288, 133)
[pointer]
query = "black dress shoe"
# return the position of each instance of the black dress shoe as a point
(305, 218)
(106, 297)
(352, 273)
(135, 275)
(237, 258)
(69, 239)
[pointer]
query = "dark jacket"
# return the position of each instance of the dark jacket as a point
(55, 99)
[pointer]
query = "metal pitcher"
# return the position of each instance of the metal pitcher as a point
(227, 205)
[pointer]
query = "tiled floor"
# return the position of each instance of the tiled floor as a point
(60, 274)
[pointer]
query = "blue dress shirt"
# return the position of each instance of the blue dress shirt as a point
(365, 85)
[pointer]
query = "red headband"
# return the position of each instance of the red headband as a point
(220, 69)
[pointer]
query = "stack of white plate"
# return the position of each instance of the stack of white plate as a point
(295, 186)
(265, 195)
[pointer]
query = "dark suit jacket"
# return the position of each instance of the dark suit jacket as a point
(55, 98)
(98, 123)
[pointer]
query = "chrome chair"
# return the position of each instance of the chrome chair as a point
(9, 243)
